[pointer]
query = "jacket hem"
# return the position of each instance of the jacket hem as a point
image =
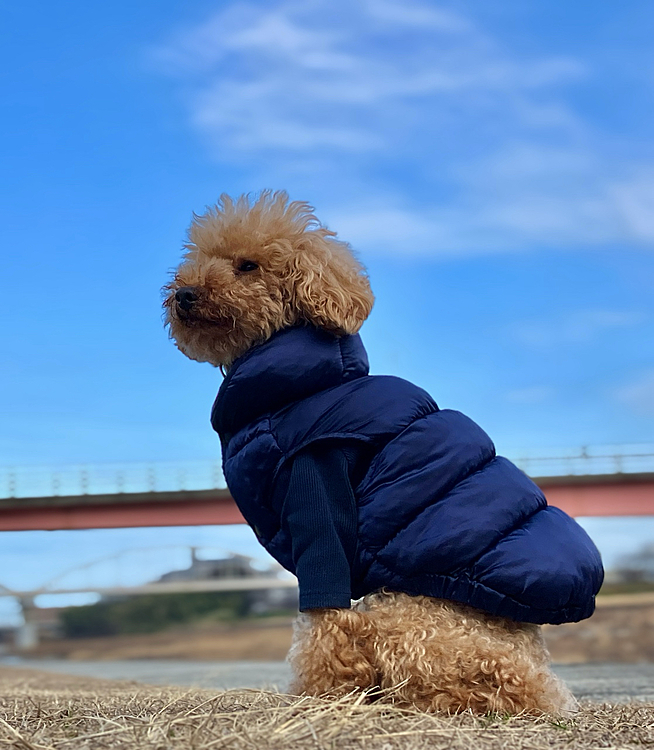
(476, 594)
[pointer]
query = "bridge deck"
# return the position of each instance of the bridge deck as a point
(593, 495)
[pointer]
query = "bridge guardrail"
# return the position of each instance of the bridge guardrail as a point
(109, 479)
(117, 479)
(588, 461)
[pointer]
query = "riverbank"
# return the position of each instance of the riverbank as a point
(619, 631)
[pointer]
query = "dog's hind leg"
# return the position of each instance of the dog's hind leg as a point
(331, 652)
(438, 655)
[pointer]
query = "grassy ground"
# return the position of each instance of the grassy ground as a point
(40, 711)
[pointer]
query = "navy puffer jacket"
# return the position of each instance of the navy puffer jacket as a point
(439, 513)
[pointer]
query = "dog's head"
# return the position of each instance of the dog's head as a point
(253, 267)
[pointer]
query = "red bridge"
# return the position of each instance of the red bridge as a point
(588, 483)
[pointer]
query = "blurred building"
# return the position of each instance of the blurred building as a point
(235, 566)
(238, 566)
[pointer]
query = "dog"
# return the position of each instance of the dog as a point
(364, 488)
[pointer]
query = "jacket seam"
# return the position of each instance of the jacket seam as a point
(327, 436)
(451, 485)
(266, 431)
(339, 341)
(395, 437)
(517, 525)
(345, 435)
(288, 456)
(469, 566)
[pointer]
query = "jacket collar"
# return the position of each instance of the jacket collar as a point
(291, 365)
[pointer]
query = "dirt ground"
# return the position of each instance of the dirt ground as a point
(259, 640)
(621, 630)
(40, 711)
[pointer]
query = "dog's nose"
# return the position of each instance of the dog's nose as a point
(186, 297)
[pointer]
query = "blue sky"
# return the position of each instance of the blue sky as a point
(491, 162)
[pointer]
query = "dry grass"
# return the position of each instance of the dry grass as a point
(50, 711)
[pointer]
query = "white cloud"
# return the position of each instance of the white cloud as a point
(639, 394)
(477, 147)
(415, 15)
(579, 327)
(308, 68)
(384, 227)
(635, 202)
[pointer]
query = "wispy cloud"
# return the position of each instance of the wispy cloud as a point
(456, 142)
(295, 76)
(579, 327)
(635, 202)
(639, 394)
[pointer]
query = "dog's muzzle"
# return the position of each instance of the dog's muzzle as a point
(186, 297)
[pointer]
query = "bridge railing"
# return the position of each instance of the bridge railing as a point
(589, 461)
(116, 479)
(109, 479)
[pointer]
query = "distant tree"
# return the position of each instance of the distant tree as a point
(87, 621)
(638, 566)
(150, 613)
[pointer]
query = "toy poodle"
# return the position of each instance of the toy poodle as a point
(364, 488)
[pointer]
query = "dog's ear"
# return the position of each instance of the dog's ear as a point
(329, 286)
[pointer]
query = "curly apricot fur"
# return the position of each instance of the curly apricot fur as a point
(431, 654)
(304, 275)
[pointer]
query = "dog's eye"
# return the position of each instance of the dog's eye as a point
(248, 265)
